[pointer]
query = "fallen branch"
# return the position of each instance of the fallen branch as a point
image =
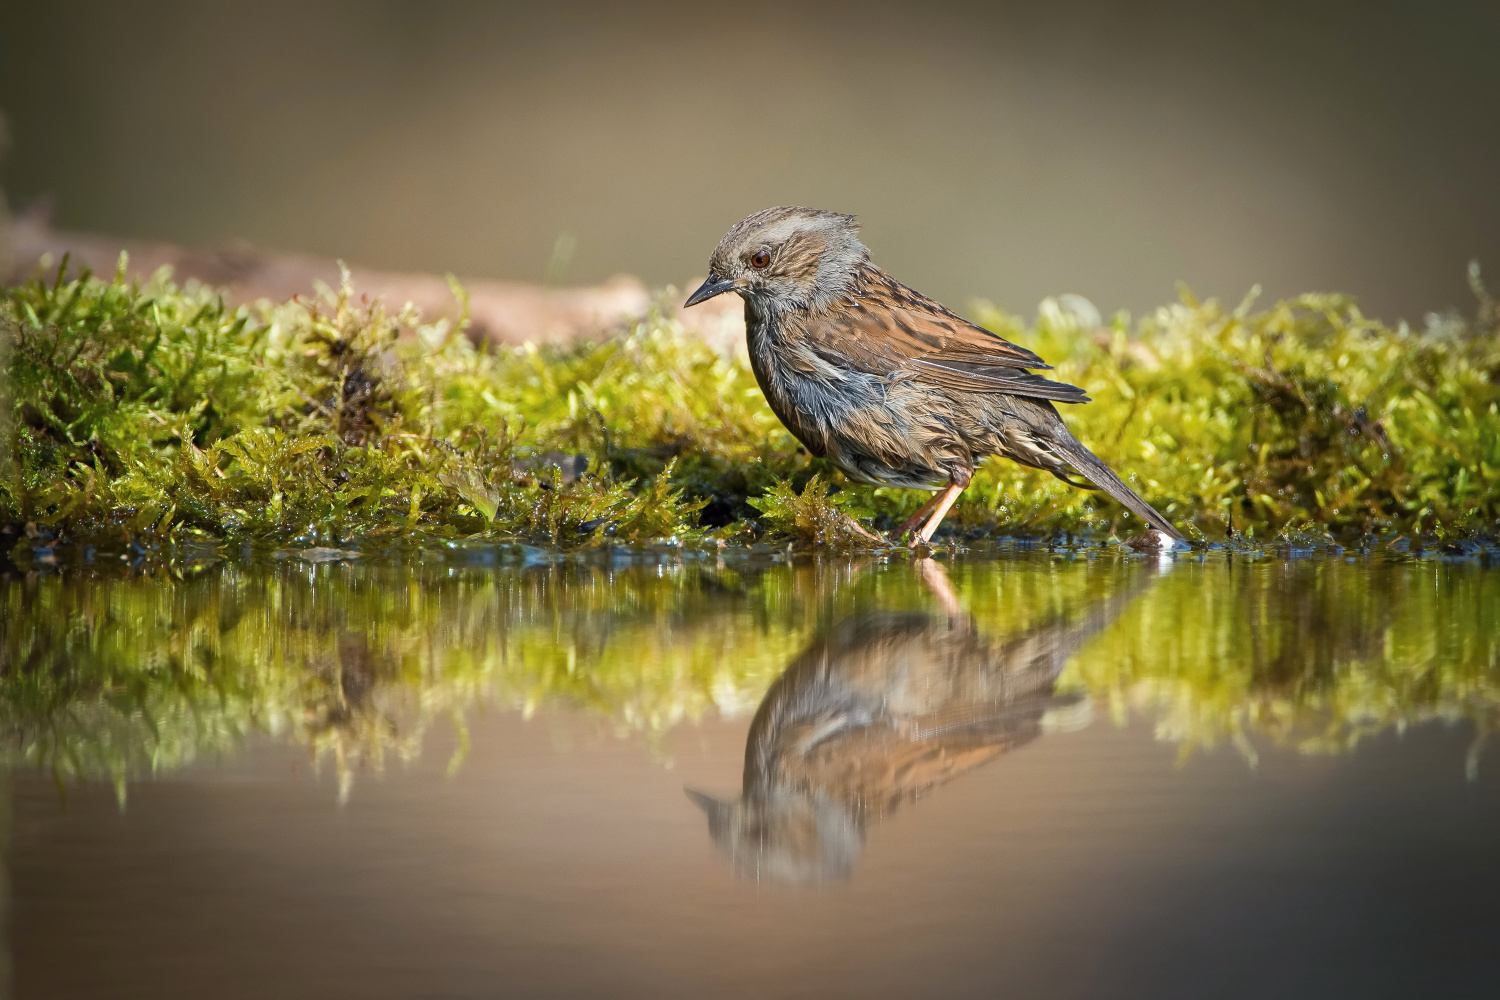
(501, 311)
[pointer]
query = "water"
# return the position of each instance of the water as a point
(1038, 775)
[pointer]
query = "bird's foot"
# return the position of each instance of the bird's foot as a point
(912, 524)
(863, 532)
(940, 505)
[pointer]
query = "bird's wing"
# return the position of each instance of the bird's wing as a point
(884, 328)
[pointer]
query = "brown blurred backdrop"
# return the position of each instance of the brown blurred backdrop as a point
(1002, 150)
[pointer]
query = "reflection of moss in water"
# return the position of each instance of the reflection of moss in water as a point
(108, 676)
(1316, 654)
(141, 414)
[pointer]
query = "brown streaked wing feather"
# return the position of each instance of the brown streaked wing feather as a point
(884, 328)
(994, 378)
(946, 332)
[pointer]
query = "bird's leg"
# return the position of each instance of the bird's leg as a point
(915, 521)
(862, 531)
(945, 501)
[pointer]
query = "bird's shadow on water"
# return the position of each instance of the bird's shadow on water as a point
(882, 707)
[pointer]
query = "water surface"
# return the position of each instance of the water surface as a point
(1045, 774)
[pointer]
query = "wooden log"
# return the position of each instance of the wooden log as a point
(502, 311)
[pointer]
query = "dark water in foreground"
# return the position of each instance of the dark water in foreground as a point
(1028, 776)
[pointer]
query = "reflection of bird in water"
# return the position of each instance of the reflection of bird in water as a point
(880, 709)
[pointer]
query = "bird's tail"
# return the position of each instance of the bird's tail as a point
(1087, 464)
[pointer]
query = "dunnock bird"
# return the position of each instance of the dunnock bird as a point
(887, 384)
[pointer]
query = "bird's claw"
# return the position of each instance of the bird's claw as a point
(863, 532)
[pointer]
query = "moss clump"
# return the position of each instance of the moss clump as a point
(160, 412)
(1304, 419)
(816, 514)
(157, 412)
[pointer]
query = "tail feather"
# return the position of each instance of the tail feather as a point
(1088, 465)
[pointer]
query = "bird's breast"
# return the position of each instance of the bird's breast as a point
(807, 405)
(860, 421)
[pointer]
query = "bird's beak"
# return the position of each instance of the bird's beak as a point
(708, 290)
(717, 810)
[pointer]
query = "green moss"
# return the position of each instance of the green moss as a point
(138, 415)
(1306, 415)
(816, 514)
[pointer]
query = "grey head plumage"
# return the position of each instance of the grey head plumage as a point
(786, 258)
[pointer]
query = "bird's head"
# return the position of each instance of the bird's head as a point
(785, 258)
(785, 836)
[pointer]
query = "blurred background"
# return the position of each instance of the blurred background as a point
(1008, 151)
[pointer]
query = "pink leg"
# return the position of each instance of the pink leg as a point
(862, 531)
(915, 521)
(944, 504)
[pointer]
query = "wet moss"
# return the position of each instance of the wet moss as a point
(1307, 418)
(158, 413)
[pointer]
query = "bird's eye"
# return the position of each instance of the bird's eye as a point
(760, 260)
